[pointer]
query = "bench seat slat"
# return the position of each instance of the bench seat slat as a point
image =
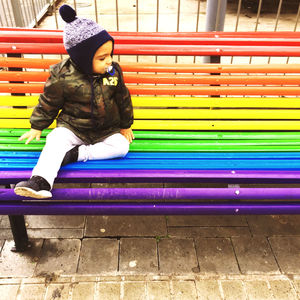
(215, 125)
(199, 90)
(183, 113)
(185, 124)
(177, 143)
(218, 135)
(148, 101)
(182, 146)
(156, 208)
(185, 135)
(19, 123)
(162, 194)
(225, 102)
(166, 164)
(189, 114)
(155, 175)
(175, 155)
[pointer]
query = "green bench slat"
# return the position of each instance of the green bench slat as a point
(182, 135)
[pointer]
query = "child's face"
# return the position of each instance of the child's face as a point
(102, 58)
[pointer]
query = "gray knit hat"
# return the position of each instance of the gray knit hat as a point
(82, 37)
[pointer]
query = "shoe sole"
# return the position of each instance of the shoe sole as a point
(28, 192)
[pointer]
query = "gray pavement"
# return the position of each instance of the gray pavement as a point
(155, 257)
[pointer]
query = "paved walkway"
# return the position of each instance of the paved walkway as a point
(155, 257)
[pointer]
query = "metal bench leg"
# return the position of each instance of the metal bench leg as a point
(19, 231)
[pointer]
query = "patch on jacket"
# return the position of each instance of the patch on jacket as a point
(112, 80)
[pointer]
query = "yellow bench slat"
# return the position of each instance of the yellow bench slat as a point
(184, 125)
(272, 102)
(8, 100)
(19, 123)
(183, 113)
(215, 125)
(280, 114)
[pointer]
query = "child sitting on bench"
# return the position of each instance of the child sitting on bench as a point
(95, 106)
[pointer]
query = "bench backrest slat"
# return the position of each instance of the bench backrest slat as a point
(140, 49)
(38, 63)
(170, 78)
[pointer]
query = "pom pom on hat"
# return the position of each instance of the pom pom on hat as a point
(67, 13)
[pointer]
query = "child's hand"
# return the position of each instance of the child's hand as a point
(128, 134)
(30, 135)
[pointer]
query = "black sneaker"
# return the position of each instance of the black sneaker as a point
(71, 156)
(35, 187)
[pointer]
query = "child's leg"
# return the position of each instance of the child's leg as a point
(59, 141)
(113, 146)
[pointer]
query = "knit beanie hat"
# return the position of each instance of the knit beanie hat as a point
(82, 37)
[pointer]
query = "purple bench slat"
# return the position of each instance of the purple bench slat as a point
(100, 176)
(122, 208)
(86, 194)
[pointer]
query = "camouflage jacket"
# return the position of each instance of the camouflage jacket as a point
(92, 106)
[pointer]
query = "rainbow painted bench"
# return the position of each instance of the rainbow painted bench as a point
(232, 127)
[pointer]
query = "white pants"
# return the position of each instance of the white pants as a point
(60, 140)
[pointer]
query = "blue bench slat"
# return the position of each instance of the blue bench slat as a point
(173, 155)
(166, 164)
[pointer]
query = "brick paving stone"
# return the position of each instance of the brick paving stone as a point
(115, 226)
(6, 234)
(58, 256)
(199, 220)
(98, 256)
(10, 280)
(195, 232)
(15, 264)
(233, 290)
(216, 256)
(258, 290)
(138, 255)
(158, 290)
(32, 292)
(109, 290)
(59, 233)
(184, 290)
(177, 256)
(58, 291)
(296, 284)
(83, 290)
(55, 221)
(282, 290)
(9, 292)
(208, 289)
(254, 255)
(4, 222)
(270, 225)
(134, 291)
(286, 251)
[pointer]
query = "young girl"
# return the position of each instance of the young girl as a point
(94, 106)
